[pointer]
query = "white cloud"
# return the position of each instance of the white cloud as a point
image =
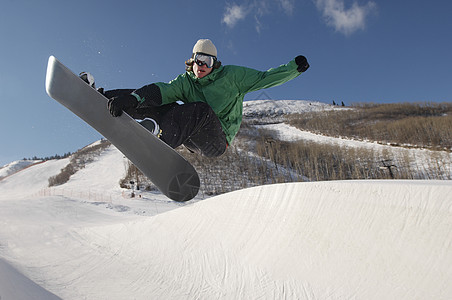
(260, 9)
(346, 21)
(287, 6)
(257, 8)
(233, 14)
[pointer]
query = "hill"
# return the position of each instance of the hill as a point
(16, 166)
(272, 148)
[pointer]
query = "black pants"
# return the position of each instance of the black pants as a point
(194, 125)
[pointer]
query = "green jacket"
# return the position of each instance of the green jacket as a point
(224, 89)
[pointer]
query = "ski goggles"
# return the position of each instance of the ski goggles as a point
(204, 59)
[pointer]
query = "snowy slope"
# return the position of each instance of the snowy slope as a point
(102, 175)
(282, 107)
(14, 285)
(420, 159)
(293, 241)
(16, 166)
(330, 240)
(30, 180)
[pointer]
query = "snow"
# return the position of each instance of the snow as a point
(86, 239)
(319, 240)
(105, 173)
(16, 166)
(31, 179)
(282, 107)
(14, 285)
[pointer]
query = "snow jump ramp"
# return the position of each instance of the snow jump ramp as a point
(330, 240)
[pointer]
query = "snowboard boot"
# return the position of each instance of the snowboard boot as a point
(89, 79)
(152, 126)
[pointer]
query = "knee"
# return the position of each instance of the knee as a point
(214, 150)
(210, 150)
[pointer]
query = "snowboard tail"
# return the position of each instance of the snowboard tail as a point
(168, 170)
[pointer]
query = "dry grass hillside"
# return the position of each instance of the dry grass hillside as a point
(257, 158)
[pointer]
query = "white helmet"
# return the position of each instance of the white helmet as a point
(205, 46)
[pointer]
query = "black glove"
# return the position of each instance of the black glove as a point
(117, 104)
(101, 90)
(302, 63)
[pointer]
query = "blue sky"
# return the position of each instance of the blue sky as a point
(359, 51)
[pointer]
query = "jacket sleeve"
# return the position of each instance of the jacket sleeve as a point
(116, 93)
(172, 91)
(160, 93)
(250, 80)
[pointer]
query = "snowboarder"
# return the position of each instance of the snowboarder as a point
(201, 108)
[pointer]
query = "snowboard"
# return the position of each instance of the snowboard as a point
(168, 170)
